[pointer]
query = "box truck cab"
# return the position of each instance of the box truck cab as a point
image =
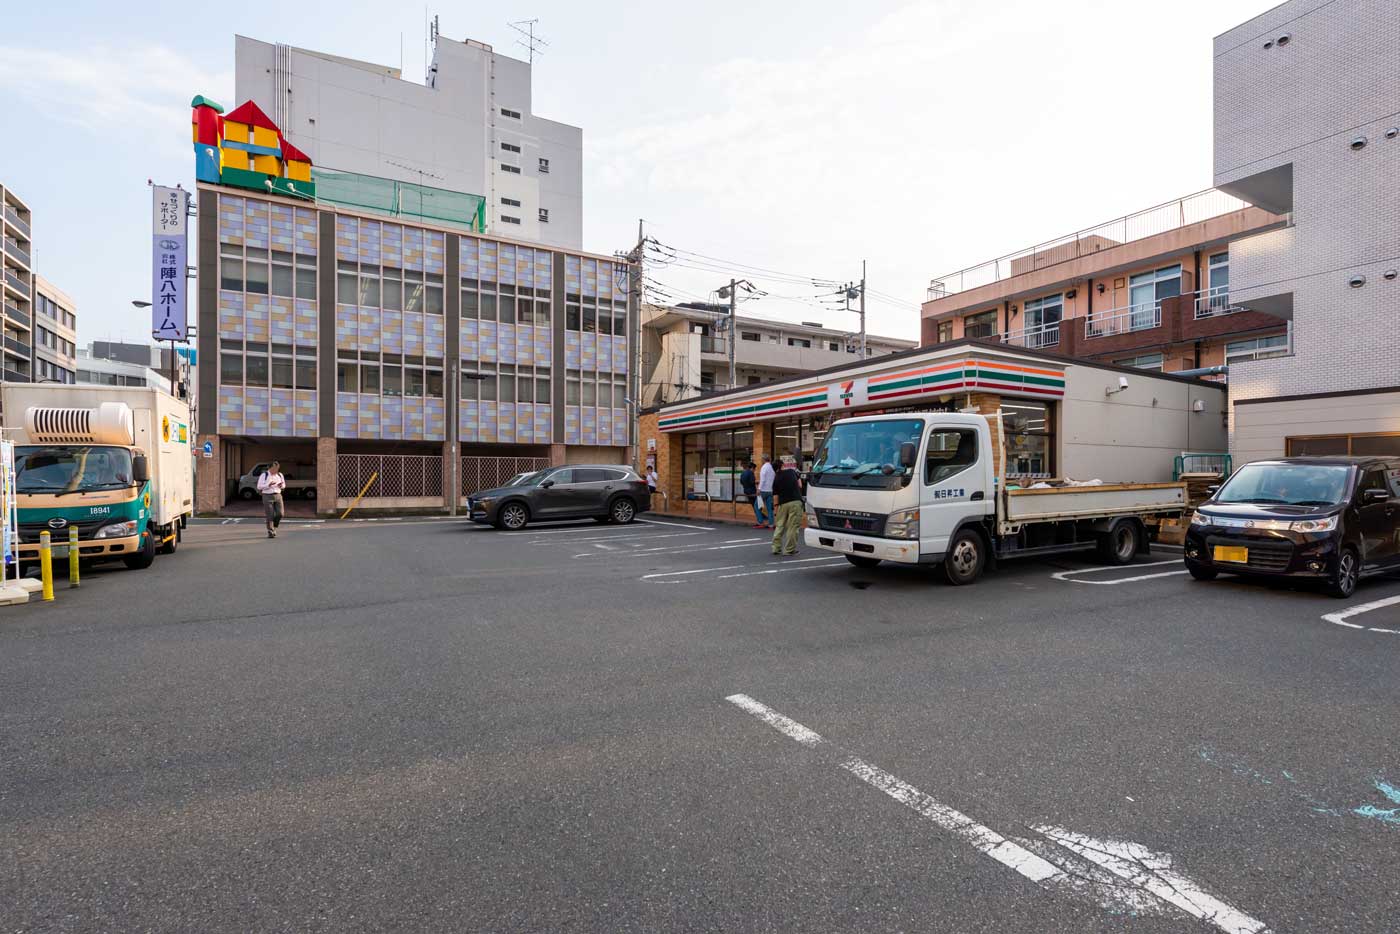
(922, 488)
(114, 463)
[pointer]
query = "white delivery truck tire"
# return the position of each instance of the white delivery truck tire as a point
(966, 557)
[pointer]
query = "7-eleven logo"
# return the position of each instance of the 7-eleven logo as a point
(848, 392)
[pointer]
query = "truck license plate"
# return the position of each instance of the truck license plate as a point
(1234, 553)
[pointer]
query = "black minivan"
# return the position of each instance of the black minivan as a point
(1335, 519)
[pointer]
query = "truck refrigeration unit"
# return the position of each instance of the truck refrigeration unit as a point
(113, 462)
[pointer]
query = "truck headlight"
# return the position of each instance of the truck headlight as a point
(1326, 524)
(903, 524)
(1198, 518)
(811, 515)
(118, 529)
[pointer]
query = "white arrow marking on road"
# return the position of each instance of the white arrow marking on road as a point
(1153, 871)
(1149, 873)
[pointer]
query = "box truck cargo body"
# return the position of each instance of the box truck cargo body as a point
(114, 462)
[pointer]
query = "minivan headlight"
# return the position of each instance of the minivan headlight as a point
(1325, 524)
(117, 529)
(903, 524)
(1200, 518)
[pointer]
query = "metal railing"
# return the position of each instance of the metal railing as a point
(19, 317)
(15, 376)
(1197, 462)
(13, 216)
(486, 473)
(17, 282)
(1043, 335)
(1212, 303)
(1141, 317)
(13, 248)
(1191, 209)
(398, 475)
(18, 347)
(713, 345)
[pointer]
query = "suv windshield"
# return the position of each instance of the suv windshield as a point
(1287, 484)
(865, 453)
(71, 468)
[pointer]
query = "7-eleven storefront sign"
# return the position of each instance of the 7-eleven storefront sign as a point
(847, 394)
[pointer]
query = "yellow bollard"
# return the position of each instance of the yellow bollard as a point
(72, 556)
(46, 565)
(363, 490)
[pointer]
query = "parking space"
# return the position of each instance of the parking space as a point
(701, 734)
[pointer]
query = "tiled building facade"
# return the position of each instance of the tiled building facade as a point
(335, 335)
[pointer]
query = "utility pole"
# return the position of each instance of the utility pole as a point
(634, 349)
(862, 310)
(453, 407)
(733, 320)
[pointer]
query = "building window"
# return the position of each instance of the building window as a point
(945, 331)
(1367, 445)
(981, 325)
(1218, 292)
(1147, 361)
(1029, 439)
(1041, 320)
(833, 346)
(513, 114)
(510, 147)
(512, 169)
(544, 166)
(799, 342)
(544, 215)
(750, 336)
(510, 202)
(507, 219)
(1259, 348)
(1145, 293)
(712, 462)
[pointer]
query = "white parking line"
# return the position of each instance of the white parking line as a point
(788, 566)
(1065, 575)
(1340, 618)
(729, 567)
(679, 525)
(672, 548)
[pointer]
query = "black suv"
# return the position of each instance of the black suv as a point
(606, 492)
(1335, 519)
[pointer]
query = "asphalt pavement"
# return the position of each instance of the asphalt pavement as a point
(429, 725)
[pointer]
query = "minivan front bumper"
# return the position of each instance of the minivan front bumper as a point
(1269, 554)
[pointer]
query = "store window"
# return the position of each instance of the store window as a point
(712, 462)
(1029, 439)
(799, 439)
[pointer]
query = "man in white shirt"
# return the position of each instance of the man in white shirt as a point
(765, 487)
(270, 485)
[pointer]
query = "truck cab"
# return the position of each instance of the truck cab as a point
(923, 488)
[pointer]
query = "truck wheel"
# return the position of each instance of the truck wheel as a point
(965, 558)
(1120, 545)
(863, 562)
(168, 548)
(144, 558)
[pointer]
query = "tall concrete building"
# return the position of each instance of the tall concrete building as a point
(17, 286)
(55, 333)
(1306, 125)
(468, 128)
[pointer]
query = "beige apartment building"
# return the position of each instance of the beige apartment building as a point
(685, 350)
(1150, 290)
(55, 334)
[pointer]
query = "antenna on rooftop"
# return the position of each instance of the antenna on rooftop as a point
(532, 42)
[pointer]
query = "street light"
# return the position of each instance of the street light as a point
(174, 364)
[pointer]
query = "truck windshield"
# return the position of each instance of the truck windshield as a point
(865, 453)
(1290, 484)
(71, 468)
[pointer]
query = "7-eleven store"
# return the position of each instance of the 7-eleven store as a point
(1057, 414)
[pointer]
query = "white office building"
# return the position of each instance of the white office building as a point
(1306, 126)
(468, 127)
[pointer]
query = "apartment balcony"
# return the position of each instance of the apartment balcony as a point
(15, 316)
(1040, 337)
(19, 285)
(17, 347)
(13, 217)
(14, 250)
(1140, 317)
(714, 345)
(15, 376)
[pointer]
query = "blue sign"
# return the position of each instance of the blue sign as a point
(208, 449)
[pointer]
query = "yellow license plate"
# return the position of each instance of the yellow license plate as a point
(1233, 553)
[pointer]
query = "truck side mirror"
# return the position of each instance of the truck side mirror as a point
(908, 454)
(140, 470)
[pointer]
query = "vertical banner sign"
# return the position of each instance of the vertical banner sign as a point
(168, 251)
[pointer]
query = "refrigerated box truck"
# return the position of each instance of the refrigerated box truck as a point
(114, 462)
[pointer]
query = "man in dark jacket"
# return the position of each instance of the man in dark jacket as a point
(748, 482)
(787, 490)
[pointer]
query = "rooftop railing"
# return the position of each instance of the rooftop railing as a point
(1138, 226)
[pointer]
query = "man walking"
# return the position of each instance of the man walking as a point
(787, 487)
(749, 484)
(765, 488)
(270, 485)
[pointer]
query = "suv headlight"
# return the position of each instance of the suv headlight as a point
(1199, 518)
(118, 529)
(1326, 524)
(903, 524)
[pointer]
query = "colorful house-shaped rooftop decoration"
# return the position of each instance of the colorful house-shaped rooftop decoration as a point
(245, 149)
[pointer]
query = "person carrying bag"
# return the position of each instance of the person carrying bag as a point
(270, 485)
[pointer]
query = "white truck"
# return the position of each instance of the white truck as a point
(922, 488)
(114, 462)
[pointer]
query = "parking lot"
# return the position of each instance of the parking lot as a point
(428, 725)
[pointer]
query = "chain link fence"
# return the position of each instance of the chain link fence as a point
(485, 473)
(399, 475)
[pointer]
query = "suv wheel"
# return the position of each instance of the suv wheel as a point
(247, 493)
(622, 511)
(512, 517)
(1342, 583)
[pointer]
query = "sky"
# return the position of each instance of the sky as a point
(921, 137)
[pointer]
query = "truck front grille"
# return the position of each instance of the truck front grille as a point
(845, 520)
